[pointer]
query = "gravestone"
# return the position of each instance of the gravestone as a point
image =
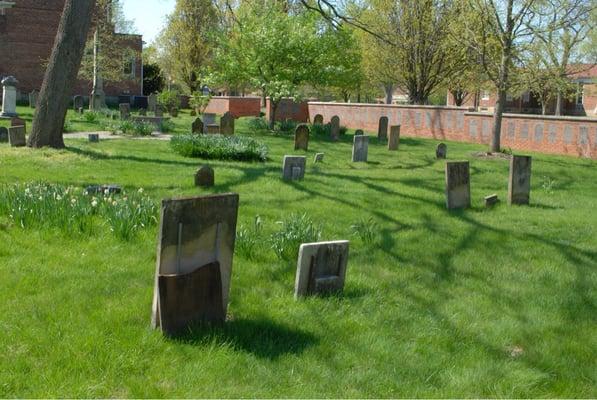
(458, 190)
(335, 127)
(93, 138)
(382, 130)
(318, 120)
(394, 139)
(213, 129)
(359, 132)
(293, 168)
(227, 124)
(204, 177)
(16, 121)
(125, 110)
(441, 151)
(301, 137)
(103, 189)
(33, 98)
(491, 200)
(194, 261)
(209, 119)
(142, 112)
(360, 148)
(197, 126)
(321, 268)
(9, 97)
(152, 103)
(318, 157)
(519, 183)
(16, 136)
(3, 134)
(78, 103)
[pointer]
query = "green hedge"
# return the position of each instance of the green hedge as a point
(218, 147)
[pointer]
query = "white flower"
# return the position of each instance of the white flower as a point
(107, 192)
(140, 190)
(94, 203)
(58, 197)
(40, 198)
(114, 203)
(73, 200)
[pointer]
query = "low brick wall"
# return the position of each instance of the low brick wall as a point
(289, 109)
(555, 135)
(238, 106)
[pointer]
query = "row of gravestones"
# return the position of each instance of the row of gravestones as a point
(209, 126)
(194, 263)
(382, 130)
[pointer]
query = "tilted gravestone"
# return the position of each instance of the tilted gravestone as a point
(125, 110)
(16, 136)
(301, 137)
(335, 127)
(360, 148)
(394, 138)
(93, 138)
(227, 124)
(142, 112)
(3, 134)
(318, 120)
(194, 261)
(152, 103)
(321, 268)
(458, 189)
(441, 151)
(204, 177)
(382, 130)
(33, 98)
(318, 157)
(209, 119)
(293, 168)
(197, 126)
(78, 103)
(519, 183)
(359, 132)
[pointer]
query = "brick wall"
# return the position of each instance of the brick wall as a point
(238, 106)
(556, 135)
(288, 109)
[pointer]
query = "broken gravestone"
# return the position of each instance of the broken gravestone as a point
(204, 177)
(301, 137)
(293, 168)
(16, 136)
(441, 151)
(321, 268)
(194, 261)
(360, 148)
(519, 183)
(458, 190)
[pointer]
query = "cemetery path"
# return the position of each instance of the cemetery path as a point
(108, 135)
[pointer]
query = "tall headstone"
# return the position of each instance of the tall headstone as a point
(321, 268)
(125, 110)
(16, 136)
(3, 134)
(33, 98)
(197, 126)
(394, 138)
(194, 261)
(152, 103)
(293, 168)
(382, 130)
(335, 128)
(360, 148)
(9, 97)
(519, 184)
(204, 177)
(78, 103)
(441, 151)
(301, 137)
(227, 124)
(318, 120)
(458, 189)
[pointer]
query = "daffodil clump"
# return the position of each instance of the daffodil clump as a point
(75, 211)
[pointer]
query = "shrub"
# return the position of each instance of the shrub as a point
(68, 126)
(326, 129)
(295, 230)
(91, 116)
(143, 128)
(249, 240)
(199, 102)
(286, 126)
(367, 230)
(258, 124)
(218, 147)
(169, 99)
(166, 126)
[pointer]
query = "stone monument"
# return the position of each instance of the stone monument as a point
(9, 97)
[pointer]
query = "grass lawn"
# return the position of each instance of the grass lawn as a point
(475, 303)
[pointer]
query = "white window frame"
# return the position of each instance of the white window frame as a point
(485, 95)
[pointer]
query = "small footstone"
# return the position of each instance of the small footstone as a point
(204, 177)
(321, 268)
(491, 200)
(441, 151)
(94, 138)
(293, 168)
(318, 157)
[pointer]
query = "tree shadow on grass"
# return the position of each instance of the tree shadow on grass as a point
(96, 155)
(261, 337)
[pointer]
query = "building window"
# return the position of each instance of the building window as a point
(526, 97)
(579, 94)
(485, 95)
(129, 67)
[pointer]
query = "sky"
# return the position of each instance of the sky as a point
(148, 15)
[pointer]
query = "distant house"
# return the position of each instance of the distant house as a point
(583, 103)
(27, 32)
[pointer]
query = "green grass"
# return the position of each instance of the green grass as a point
(476, 303)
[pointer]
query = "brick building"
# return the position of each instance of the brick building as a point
(27, 32)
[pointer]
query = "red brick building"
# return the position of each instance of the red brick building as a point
(27, 32)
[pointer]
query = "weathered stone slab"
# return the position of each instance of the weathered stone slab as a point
(293, 168)
(301, 137)
(93, 138)
(321, 268)
(519, 183)
(209, 119)
(197, 126)
(318, 157)
(16, 136)
(204, 177)
(491, 200)
(318, 120)
(394, 138)
(227, 124)
(335, 128)
(360, 148)
(458, 190)
(441, 151)
(3, 134)
(125, 110)
(382, 129)
(359, 132)
(212, 129)
(78, 103)
(194, 261)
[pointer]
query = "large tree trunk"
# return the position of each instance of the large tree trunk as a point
(61, 74)
(500, 105)
(559, 103)
(272, 114)
(389, 90)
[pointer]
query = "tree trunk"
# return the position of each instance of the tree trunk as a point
(272, 114)
(389, 89)
(559, 104)
(501, 98)
(61, 74)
